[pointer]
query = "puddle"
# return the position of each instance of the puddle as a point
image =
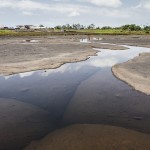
(89, 39)
(31, 41)
(84, 92)
(85, 41)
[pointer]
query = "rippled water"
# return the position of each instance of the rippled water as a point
(84, 92)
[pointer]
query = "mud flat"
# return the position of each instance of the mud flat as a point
(135, 72)
(20, 123)
(28, 54)
(90, 137)
(131, 40)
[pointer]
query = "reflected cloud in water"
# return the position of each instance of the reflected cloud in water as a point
(53, 89)
(26, 74)
(105, 59)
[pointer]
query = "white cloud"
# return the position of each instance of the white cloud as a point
(54, 12)
(113, 13)
(74, 14)
(27, 13)
(105, 3)
(146, 5)
(65, 7)
(30, 5)
(23, 4)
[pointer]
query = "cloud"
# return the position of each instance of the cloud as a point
(74, 14)
(145, 4)
(27, 13)
(104, 3)
(104, 62)
(113, 13)
(54, 12)
(30, 5)
(23, 5)
(66, 7)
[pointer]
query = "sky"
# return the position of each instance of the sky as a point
(58, 12)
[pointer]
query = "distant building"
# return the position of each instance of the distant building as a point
(11, 28)
(37, 27)
(19, 26)
(2, 27)
(29, 27)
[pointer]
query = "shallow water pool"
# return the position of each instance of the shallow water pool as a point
(83, 92)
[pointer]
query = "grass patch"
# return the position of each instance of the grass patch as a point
(72, 32)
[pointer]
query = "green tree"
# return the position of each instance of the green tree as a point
(91, 26)
(41, 25)
(131, 27)
(106, 28)
(58, 27)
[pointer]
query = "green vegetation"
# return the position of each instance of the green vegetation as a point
(77, 29)
(92, 29)
(21, 33)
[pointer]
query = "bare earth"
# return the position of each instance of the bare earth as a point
(22, 55)
(93, 137)
(135, 72)
(132, 40)
(35, 53)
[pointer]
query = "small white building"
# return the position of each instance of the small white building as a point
(2, 27)
(30, 27)
(37, 27)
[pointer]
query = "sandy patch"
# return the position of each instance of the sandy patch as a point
(93, 137)
(135, 72)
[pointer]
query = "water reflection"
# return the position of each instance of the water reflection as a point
(105, 58)
(85, 41)
(84, 92)
(27, 74)
(50, 87)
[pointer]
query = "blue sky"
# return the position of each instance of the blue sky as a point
(58, 12)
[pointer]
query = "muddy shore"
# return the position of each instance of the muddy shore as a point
(135, 72)
(35, 53)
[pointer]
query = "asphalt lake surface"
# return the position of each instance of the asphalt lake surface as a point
(83, 92)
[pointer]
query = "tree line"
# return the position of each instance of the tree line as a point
(128, 27)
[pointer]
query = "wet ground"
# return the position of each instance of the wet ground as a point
(84, 92)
